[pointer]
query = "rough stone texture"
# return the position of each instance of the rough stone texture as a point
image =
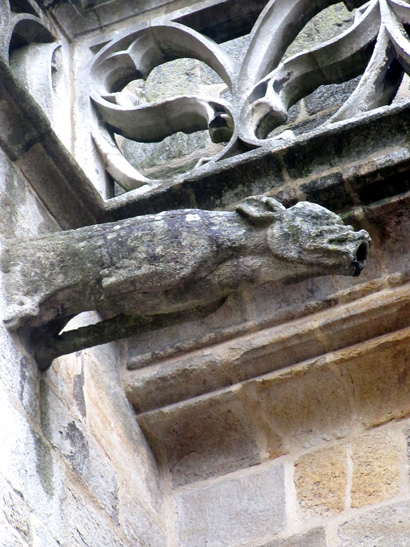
(111, 420)
(301, 408)
(233, 510)
(321, 481)
(313, 538)
(376, 459)
(16, 514)
(389, 224)
(52, 496)
(381, 381)
(204, 441)
(33, 474)
(87, 526)
(220, 22)
(58, 476)
(382, 527)
(374, 314)
(186, 259)
(69, 437)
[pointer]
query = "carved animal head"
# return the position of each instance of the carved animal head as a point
(308, 234)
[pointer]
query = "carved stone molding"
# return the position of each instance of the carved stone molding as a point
(22, 23)
(263, 89)
(305, 340)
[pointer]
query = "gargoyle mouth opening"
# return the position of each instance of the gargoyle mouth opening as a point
(362, 252)
(361, 257)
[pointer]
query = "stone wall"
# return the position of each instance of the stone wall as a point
(292, 432)
(313, 456)
(75, 468)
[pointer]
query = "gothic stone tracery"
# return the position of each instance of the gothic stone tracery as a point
(263, 88)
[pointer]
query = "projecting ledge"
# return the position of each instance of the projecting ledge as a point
(318, 401)
(334, 335)
(338, 167)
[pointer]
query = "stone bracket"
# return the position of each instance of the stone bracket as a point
(155, 270)
(48, 342)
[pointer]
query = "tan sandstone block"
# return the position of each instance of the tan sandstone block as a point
(376, 467)
(203, 438)
(379, 372)
(321, 480)
(303, 407)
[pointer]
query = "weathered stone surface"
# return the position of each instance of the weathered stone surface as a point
(263, 88)
(185, 259)
(363, 314)
(87, 526)
(111, 420)
(391, 224)
(380, 376)
(147, 347)
(407, 435)
(389, 166)
(34, 477)
(16, 513)
(321, 481)
(219, 21)
(232, 510)
(202, 441)
(329, 97)
(302, 408)
(70, 438)
(9, 537)
(18, 373)
(382, 527)
(313, 538)
(376, 459)
(139, 525)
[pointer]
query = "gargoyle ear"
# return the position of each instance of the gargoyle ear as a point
(260, 210)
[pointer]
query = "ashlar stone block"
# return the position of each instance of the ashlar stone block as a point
(34, 476)
(380, 377)
(376, 459)
(232, 511)
(383, 527)
(204, 439)
(73, 442)
(88, 527)
(321, 481)
(302, 407)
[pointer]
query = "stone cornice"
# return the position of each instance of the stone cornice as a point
(311, 338)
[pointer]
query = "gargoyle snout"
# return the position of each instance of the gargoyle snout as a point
(361, 254)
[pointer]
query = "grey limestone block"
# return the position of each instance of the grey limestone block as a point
(383, 527)
(234, 510)
(313, 538)
(71, 439)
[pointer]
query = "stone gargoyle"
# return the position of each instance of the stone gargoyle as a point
(172, 263)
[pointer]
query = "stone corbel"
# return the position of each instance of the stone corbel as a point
(156, 270)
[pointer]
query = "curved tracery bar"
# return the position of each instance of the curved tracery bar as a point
(376, 46)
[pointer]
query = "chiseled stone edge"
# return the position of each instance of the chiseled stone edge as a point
(281, 169)
(257, 354)
(208, 17)
(32, 145)
(289, 171)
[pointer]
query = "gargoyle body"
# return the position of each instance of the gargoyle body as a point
(174, 261)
